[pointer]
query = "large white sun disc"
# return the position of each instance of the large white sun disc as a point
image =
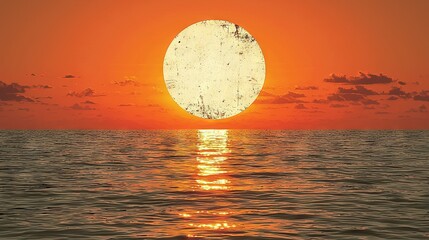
(214, 69)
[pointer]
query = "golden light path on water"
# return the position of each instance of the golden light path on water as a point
(212, 149)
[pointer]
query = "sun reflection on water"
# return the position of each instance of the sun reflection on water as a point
(212, 176)
(212, 153)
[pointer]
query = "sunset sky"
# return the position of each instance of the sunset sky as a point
(329, 64)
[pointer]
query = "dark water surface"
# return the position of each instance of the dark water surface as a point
(214, 184)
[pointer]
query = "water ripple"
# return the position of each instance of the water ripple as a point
(214, 184)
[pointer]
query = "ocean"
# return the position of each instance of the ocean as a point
(214, 184)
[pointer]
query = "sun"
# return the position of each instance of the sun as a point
(214, 69)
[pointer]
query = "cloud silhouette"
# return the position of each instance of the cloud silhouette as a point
(127, 83)
(402, 83)
(41, 86)
(88, 102)
(300, 106)
(69, 76)
(369, 102)
(85, 93)
(357, 95)
(76, 106)
(358, 90)
(337, 105)
(320, 101)
(307, 88)
(361, 79)
(422, 96)
(397, 91)
(392, 98)
(354, 97)
(13, 92)
(336, 79)
(420, 109)
(293, 95)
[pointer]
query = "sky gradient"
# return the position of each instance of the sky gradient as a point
(329, 64)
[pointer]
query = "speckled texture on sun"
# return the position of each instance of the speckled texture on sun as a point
(214, 69)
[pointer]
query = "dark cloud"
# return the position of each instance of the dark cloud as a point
(285, 100)
(13, 92)
(76, 106)
(47, 97)
(402, 83)
(69, 76)
(361, 79)
(397, 91)
(40, 86)
(88, 102)
(337, 105)
(127, 83)
(354, 97)
(320, 101)
(369, 102)
(392, 98)
(300, 106)
(358, 90)
(307, 88)
(422, 96)
(126, 105)
(85, 93)
(420, 109)
(336, 79)
(293, 95)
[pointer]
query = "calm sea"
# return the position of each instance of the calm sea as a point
(214, 184)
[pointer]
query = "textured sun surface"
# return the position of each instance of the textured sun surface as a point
(214, 69)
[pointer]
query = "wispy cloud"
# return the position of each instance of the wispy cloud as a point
(354, 97)
(358, 90)
(397, 91)
(128, 81)
(13, 92)
(69, 76)
(306, 88)
(420, 109)
(422, 96)
(76, 106)
(300, 106)
(361, 79)
(85, 93)
(337, 105)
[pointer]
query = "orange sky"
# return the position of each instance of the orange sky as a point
(98, 64)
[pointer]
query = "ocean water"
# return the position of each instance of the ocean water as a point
(214, 184)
